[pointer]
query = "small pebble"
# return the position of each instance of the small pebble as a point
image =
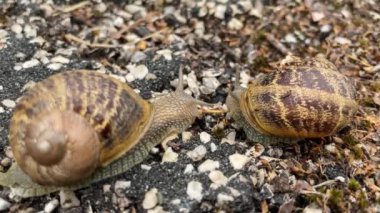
(60, 59)
(106, 188)
(326, 28)
(235, 24)
(8, 103)
(139, 71)
(266, 191)
(30, 32)
(208, 165)
(51, 206)
(186, 136)
(213, 147)
(68, 199)
(238, 160)
(166, 53)
(257, 150)
(176, 201)
(205, 137)
(194, 190)
(317, 16)
(230, 139)
(169, 156)
(218, 179)
(2, 110)
(145, 167)
(220, 11)
(16, 28)
(312, 208)
(4, 205)
(120, 187)
(290, 38)
(223, 198)
(150, 199)
(132, 8)
(6, 161)
(122, 203)
(138, 56)
(198, 153)
(30, 63)
(54, 66)
(1, 87)
(342, 41)
(189, 169)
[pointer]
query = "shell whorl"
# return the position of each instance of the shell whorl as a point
(303, 99)
(61, 148)
(81, 112)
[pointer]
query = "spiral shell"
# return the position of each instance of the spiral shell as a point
(303, 99)
(71, 123)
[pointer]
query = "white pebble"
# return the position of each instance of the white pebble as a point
(54, 66)
(194, 190)
(290, 38)
(317, 16)
(230, 138)
(2, 110)
(68, 199)
(176, 201)
(166, 53)
(218, 179)
(4, 205)
(238, 160)
(150, 199)
(223, 198)
(132, 8)
(106, 188)
(16, 28)
(186, 136)
(3, 34)
(213, 147)
(198, 153)
(208, 165)
(235, 24)
(30, 32)
(139, 71)
(1, 87)
(30, 63)
(60, 59)
(209, 85)
(220, 11)
(145, 167)
(169, 156)
(205, 137)
(49, 207)
(189, 169)
(342, 41)
(8, 103)
(120, 186)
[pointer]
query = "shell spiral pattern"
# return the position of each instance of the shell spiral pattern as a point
(73, 122)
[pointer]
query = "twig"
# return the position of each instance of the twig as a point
(74, 7)
(329, 182)
(71, 37)
(277, 44)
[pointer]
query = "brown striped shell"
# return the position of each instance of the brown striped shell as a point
(73, 122)
(303, 99)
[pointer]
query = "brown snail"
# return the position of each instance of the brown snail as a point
(302, 99)
(79, 127)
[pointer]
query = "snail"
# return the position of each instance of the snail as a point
(302, 99)
(79, 127)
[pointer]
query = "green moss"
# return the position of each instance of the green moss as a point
(218, 133)
(363, 201)
(336, 197)
(358, 152)
(350, 140)
(259, 37)
(353, 185)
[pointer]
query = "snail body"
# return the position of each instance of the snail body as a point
(303, 99)
(79, 127)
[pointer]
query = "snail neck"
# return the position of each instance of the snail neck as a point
(172, 114)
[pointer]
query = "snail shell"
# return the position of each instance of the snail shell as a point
(74, 122)
(302, 99)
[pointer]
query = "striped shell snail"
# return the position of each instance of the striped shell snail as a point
(79, 127)
(302, 99)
